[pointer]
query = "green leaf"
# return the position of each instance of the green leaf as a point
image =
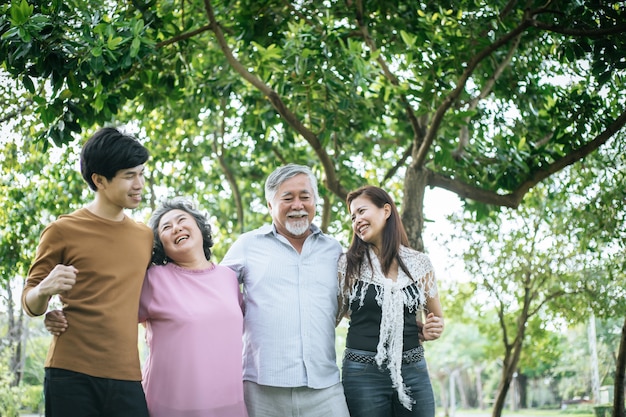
(134, 47)
(114, 42)
(138, 27)
(65, 94)
(24, 34)
(20, 14)
(408, 39)
(28, 84)
(98, 103)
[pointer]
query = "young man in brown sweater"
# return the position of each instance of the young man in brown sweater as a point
(95, 259)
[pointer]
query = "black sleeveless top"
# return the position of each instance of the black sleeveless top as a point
(363, 333)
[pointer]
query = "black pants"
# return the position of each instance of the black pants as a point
(73, 394)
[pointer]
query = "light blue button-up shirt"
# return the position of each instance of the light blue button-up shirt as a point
(291, 304)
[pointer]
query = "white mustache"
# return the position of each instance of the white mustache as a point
(298, 213)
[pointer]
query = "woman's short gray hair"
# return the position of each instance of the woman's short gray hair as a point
(282, 174)
(178, 203)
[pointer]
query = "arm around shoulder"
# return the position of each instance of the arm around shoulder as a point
(235, 258)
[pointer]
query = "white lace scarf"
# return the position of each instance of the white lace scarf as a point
(393, 297)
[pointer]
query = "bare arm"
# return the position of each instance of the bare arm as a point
(434, 325)
(61, 279)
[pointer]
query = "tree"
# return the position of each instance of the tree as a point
(483, 99)
(531, 268)
(448, 364)
(34, 190)
(604, 218)
(618, 402)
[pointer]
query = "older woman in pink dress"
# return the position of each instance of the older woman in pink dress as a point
(192, 309)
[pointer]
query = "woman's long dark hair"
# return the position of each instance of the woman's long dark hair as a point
(394, 235)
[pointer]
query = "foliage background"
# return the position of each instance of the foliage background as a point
(515, 107)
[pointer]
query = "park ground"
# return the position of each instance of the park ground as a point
(573, 412)
(487, 413)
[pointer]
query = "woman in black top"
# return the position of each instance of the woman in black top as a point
(384, 287)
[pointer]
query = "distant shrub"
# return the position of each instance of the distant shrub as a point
(32, 399)
(9, 396)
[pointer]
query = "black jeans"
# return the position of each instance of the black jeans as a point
(73, 394)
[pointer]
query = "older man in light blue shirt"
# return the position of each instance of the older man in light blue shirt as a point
(289, 275)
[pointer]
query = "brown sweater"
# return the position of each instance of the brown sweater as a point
(102, 307)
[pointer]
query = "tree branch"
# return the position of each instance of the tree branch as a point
(12, 114)
(413, 120)
(184, 36)
(590, 33)
(546, 300)
(506, 11)
(397, 165)
(513, 199)
(573, 156)
(331, 181)
(437, 119)
(484, 92)
(218, 148)
(471, 192)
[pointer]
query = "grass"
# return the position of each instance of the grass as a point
(586, 411)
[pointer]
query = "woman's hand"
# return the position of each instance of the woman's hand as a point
(433, 327)
(55, 322)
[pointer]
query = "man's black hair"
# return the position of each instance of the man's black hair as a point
(108, 151)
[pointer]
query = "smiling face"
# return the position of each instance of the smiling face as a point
(369, 220)
(293, 206)
(124, 189)
(180, 235)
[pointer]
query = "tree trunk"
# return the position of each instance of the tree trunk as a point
(522, 384)
(415, 181)
(503, 389)
(14, 337)
(618, 397)
(452, 390)
(479, 387)
(443, 397)
(462, 388)
(18, 357)
(514, 392)
(593, 353)
(326, 214)
(509, 368)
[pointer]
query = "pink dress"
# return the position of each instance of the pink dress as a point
(194, 326)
